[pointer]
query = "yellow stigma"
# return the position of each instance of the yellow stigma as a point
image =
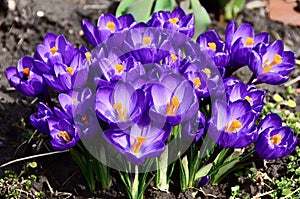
(119, 67)
(137, 144)
(207, 72)
(174, 57)
(235, 124)
(70, 70)
(74, 100)
(85, 120)
(88, 56)
(276, 60)
(53, 49)
(249, 99)
(111, 26)
(172, 107)
(212, 45)
(173, 20)
(146, 41)
(249, 41)
(26, 72)
(122, 112)
(65, 136)
(197, 82)
(275, 139)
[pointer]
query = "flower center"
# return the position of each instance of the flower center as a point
(249, 41)
(53, 50)
(122, 112)
(173, 20)
(276, 60)
(70, 70)
(65, 136)
(74, 100)
(249, 99)
(275, 139)
(235, 124)
(111, 26)
(207, 72)
(197, 82)
(172, 107)
(26, 72)
(88, 56)
(212, 45)
(119, 67)
(146, 41)
(85, 120)
(174, 57)
(137, 144)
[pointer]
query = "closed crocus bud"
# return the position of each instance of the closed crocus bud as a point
(274, 140)
(40, 120)
(25, 78)
(204, 180)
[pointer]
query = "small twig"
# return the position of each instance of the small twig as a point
(10, 89)
(69, 178)
(298, 62)
(49, 186)
(31, 157)
(293, 81)
(263, 194)
(205, 194)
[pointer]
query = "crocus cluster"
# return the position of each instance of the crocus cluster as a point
(143, 79)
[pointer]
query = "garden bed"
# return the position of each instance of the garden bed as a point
(24, 25)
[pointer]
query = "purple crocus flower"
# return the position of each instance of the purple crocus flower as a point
(274, 140)
(64, 135)
(240, 41)
(40, 120)
(139, 143)
(211, 42)
(173, 100)
(67, 77)
(195, 127)
(272, 65)
(233, 125)
(76, 101)
(25, 78)
(148, 45)
(87, 122)
(107, 25)
(241, 91)
(120, 106)
(176, 20)
(54, 50)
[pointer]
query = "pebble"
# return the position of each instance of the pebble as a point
(255, 4)
(2, 144)
(40, 13)
(11, 5)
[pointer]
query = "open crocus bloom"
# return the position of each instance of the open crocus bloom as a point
(64, 135)
(274, 140)
(138, 143)
(272, 65)
(233, 125)
(25, 77)
(120, 106)
(173, 101)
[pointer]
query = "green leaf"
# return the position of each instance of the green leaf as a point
(277, 98)
(286, 192)
(203, 171)
(32, 164)
(202, 19)
(291, 103)
(233, 8)
(140, 9)
(123, 6)
(163, 175)
(167, 5)
(228, 164)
